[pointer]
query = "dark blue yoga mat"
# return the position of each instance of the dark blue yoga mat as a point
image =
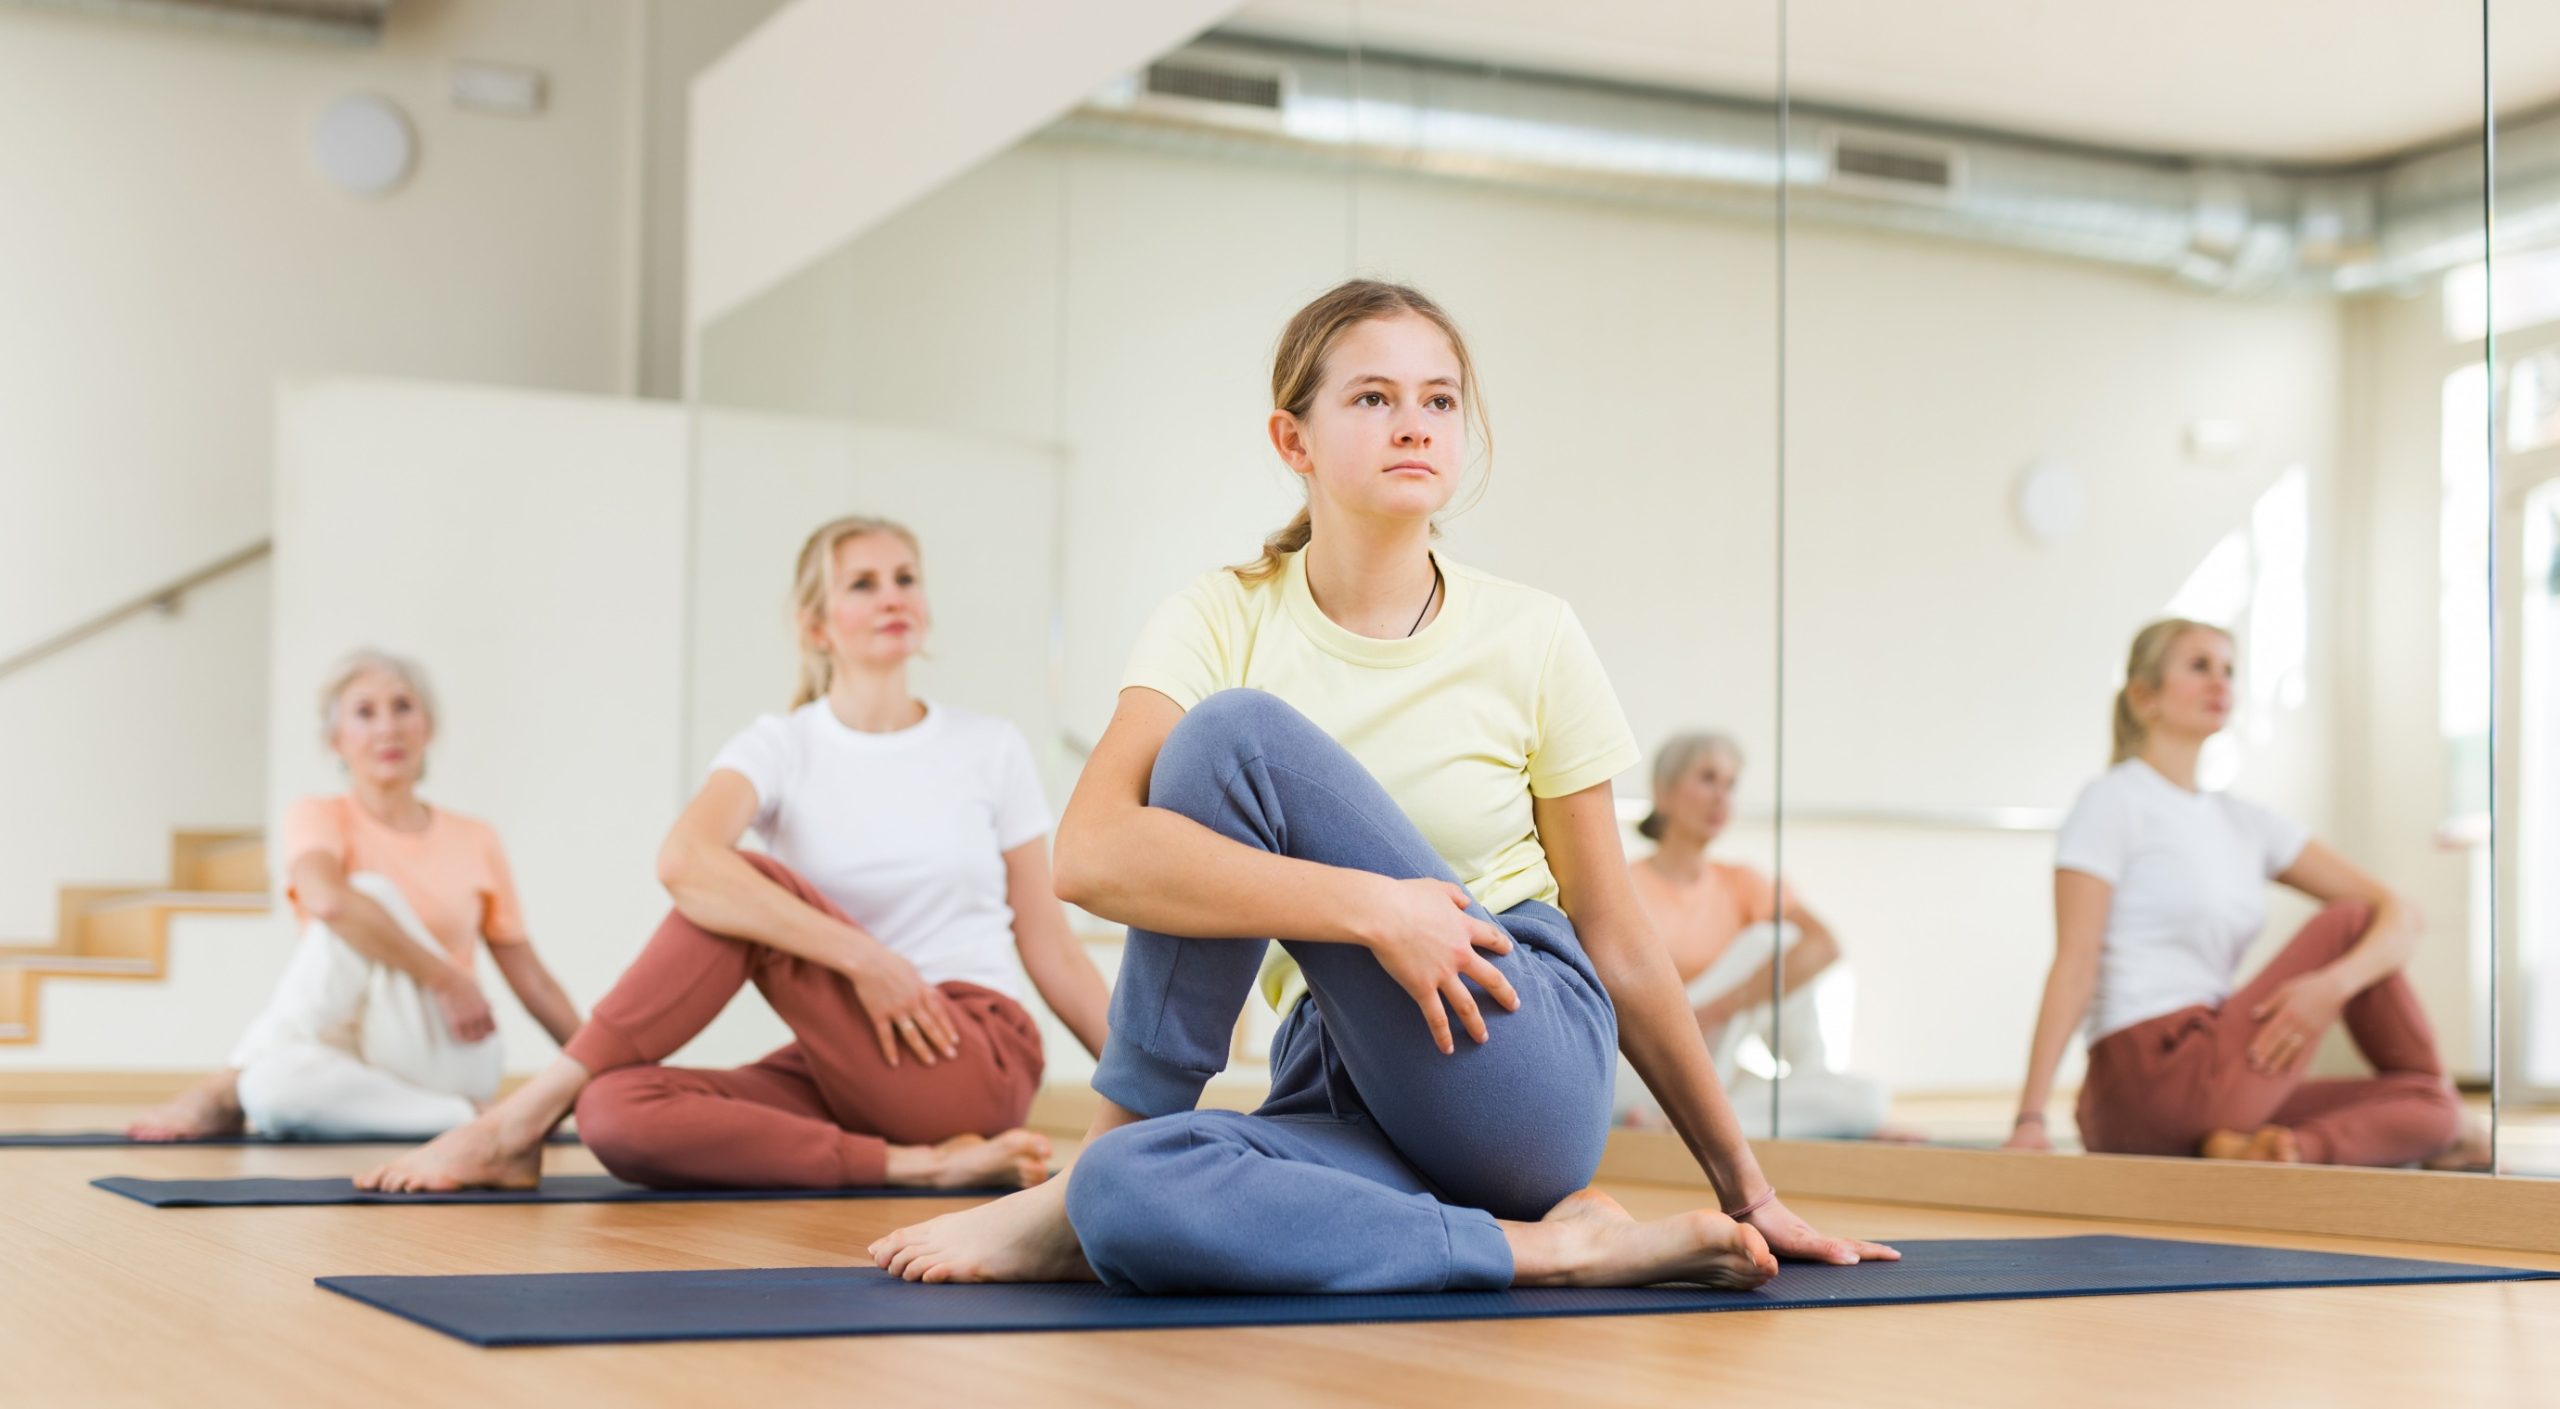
(105, 1139)
(556, 1189)
(586, 1308)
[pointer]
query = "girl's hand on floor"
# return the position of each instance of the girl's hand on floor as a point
(1791, 1237)
(1427, 942)
(904, 1009)
(2291, 1020)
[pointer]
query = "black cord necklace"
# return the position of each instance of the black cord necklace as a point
(1427, 601)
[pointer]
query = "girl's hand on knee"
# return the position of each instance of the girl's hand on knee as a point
(2291, 1020)
(1424, 938)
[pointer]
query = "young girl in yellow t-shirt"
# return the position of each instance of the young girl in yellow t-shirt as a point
(1399, 767)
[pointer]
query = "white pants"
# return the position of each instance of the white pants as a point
(349, 1047)
(1813, 1101)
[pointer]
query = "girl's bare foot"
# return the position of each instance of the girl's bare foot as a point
(1589, 1241)
(1015, 1159)
(1022, 1237)
(481, 1155)
(2268, 1144)
(209, 1109)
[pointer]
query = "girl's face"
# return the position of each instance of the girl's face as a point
(382, 731)
(1701, 798)
(2194, 698)
(875, 614)
(1385, 436)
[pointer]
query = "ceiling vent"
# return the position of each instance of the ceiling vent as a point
(1898, 167)
(1221, 91)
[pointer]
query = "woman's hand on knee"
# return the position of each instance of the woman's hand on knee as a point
(466, 1008)
(2291, 1020)
(1424, 938)
(905, 1011)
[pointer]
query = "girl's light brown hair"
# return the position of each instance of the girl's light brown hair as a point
(1298, 370)
(813, 580)
(2148, 665)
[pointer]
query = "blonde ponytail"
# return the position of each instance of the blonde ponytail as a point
(2148, 665)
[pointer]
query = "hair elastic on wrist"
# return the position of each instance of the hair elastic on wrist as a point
(1739, 1214)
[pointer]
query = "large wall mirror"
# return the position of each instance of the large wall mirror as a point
(2102, 317)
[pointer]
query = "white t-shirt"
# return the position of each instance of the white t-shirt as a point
(905, 831)
(2190, 872)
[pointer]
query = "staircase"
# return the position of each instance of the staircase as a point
(122, 932)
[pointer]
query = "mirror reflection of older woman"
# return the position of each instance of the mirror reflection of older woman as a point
(378, 1025)
(1724, 924)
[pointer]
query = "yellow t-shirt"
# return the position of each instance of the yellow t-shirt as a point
(1499, 699)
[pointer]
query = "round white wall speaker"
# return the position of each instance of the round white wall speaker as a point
(2051, 501)
(364, 145)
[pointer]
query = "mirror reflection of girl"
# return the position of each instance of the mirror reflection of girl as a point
(378, 1025)
(1724, 922)
(2159, 890)
(1400, 766)
(906, 866)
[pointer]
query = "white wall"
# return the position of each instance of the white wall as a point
(169, 251)
(543, 251)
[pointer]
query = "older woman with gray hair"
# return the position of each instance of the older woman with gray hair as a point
(1726, 926)
(378, 1025)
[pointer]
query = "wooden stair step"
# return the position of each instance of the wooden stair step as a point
(122, 932)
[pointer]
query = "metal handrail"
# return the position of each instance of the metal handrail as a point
(164, 599)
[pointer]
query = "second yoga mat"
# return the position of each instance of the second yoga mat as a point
(112, 1139)
(556, 1189)
(586, 1308)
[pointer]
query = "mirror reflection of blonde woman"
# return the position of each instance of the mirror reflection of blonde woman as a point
(2159, 890)
(1724, 923)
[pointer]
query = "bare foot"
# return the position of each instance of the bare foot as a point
(1590, 1241)
(1015, 1159)
(480, 1155)
(2268, 1144)
(2471, 1152)
(208, 1109)
(1022, 1237)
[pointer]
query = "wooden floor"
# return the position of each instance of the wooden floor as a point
(103, 1301)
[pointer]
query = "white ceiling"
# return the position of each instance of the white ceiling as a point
(2303, 80)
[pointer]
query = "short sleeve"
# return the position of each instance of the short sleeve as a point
(1583, 736)
(1180, 653)
(766, 754)
(1022, 810)
(312, 824)
(2097, 834)
(501, 912)
(2280, 839)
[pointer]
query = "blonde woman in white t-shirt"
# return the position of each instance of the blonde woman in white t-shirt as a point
(1399, 767)
(906, 865)
(2159, 890)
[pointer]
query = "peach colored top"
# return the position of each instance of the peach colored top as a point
(453, 874)
(1699, 922)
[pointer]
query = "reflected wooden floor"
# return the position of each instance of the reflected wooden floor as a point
(107, 1302)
